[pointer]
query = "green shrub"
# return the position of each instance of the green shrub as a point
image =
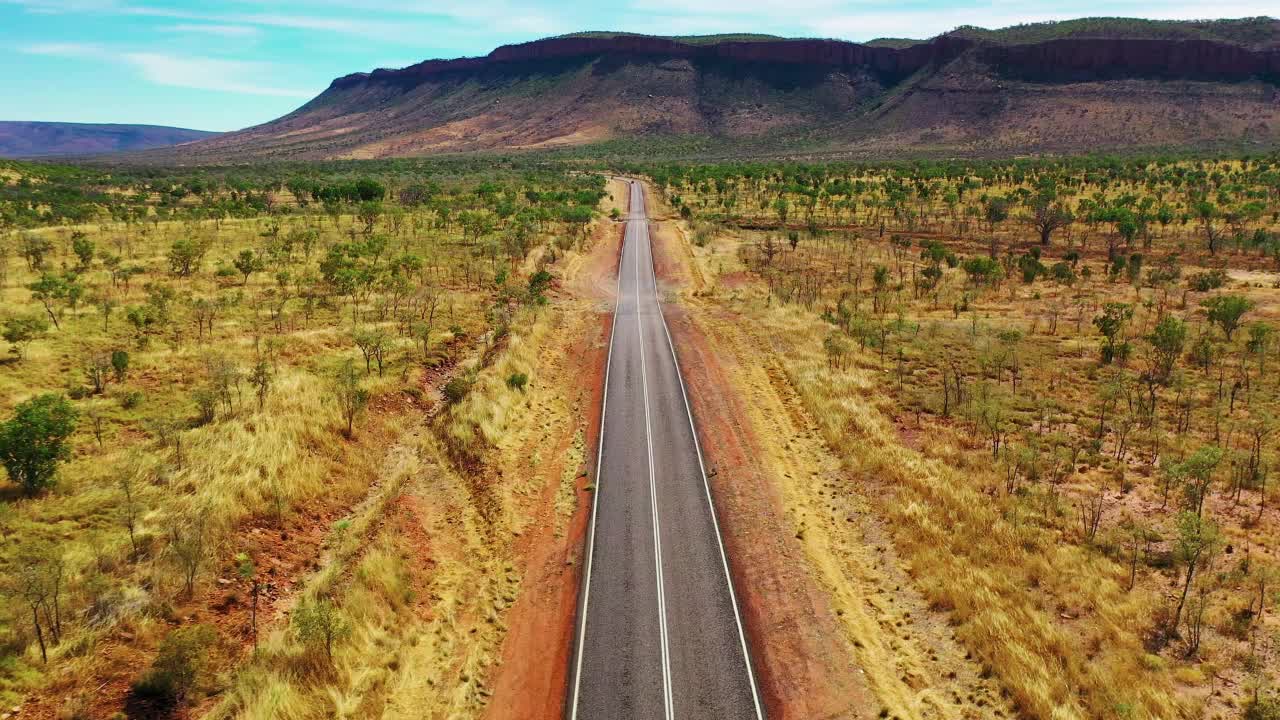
(456, 389)
(120, 364)
(1266, 707)
(320, 625)
(176, 671)
(1206, 281)
(517, 381)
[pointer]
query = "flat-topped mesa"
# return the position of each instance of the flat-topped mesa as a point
(894, 61)
(1094, 84)
(1052, 60)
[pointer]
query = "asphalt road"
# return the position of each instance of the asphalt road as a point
(659, 634)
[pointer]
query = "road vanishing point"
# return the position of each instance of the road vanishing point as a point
(659, 634)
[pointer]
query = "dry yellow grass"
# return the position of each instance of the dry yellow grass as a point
(1007, 583)
(279, 482)
(428, 568)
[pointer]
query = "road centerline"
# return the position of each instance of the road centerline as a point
(668, 699)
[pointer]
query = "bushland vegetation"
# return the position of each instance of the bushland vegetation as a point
(205, 371)
(1056, 378)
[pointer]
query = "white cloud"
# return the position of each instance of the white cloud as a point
(204, 73)
(187, 71)
(57, 7)
(70, 50)
(384, 30)
(488, 15)
(228, 31)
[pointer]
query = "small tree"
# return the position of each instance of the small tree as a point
(31, 582)
(22, 330)
(1111, 323)
(188, 536)
(1197, 476)
(249, 573)
(1049, 217)
(131, 508)
(106, 305)
(320, 624)
(34, 249)
(1207, 213)
(995, 210)
(84, 249)
(54, 291)
(1225, 311)
(352, 398)
(836, 349)
(248, 263)
(1167, 341)
(261, 378)
(98, 370)
(34, 441)
(1193, 548)
(373, 345)
(185, 256)
(120, 364)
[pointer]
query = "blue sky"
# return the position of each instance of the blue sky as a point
(231, 64)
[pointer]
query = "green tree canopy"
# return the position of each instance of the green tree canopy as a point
(34, 440)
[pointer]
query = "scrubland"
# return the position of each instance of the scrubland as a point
(288, 387)
(1064, 438)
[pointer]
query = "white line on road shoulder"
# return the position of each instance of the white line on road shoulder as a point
(595, 494)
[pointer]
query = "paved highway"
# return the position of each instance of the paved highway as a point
(659, 634)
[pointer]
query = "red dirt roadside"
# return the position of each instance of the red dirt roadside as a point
(531, 681)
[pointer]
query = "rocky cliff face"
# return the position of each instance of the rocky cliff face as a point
(950, 94)
(826, 53)
(1088, 59)
(1054, 60)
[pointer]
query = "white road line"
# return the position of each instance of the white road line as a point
(595, 494)
(724, 558)
(668, 699)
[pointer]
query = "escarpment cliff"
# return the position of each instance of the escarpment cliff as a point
(956, 93)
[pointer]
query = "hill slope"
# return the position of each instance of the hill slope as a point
(1087, 84)
(35, 139)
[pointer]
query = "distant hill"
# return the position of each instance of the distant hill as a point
(41, 139)
(1082, 85)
